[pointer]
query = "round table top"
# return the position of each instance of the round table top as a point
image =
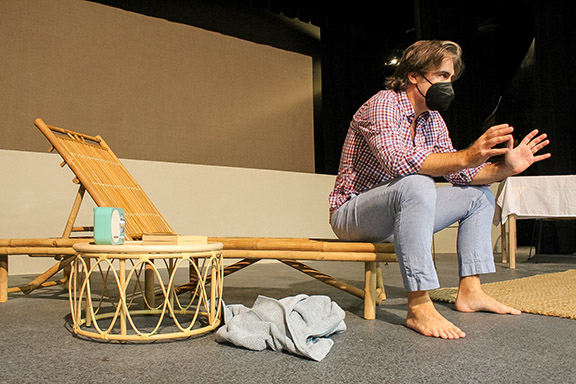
(138, 247)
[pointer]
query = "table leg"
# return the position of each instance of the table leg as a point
(512, 240)
(504, 242)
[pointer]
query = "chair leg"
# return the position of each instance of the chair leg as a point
(370, 279)
(380, 285)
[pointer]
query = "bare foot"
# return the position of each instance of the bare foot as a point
(471, 298)
(425, 319)
(481, 302)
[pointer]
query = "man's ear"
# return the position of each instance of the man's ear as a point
(412, 77)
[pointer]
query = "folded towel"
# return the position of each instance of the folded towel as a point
(300, 325)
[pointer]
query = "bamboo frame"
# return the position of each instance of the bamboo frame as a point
(303, 244)
(106, 179)
(309, 255)
(289, 250)
(100, 173)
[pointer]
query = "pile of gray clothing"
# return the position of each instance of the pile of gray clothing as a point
(300, 325)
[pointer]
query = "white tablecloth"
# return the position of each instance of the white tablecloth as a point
(536, 197)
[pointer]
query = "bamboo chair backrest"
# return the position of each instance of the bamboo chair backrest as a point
(106, 179)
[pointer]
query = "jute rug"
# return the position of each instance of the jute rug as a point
(551, 294)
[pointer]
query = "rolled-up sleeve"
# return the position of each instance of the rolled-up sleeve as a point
(464, 176)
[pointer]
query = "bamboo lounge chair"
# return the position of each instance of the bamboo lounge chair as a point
(99, 172)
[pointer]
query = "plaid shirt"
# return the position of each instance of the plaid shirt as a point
(379, 146)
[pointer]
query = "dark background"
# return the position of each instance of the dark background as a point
(519, 58)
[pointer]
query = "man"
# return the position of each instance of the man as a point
(396, 143)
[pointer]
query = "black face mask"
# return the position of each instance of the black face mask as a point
(439, 95)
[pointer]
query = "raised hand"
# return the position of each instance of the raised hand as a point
(483, 148)
(518, 159)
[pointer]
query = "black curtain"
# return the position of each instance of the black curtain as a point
(356, 40)
(555, 82)
(495, 37)
(352, 71)
(555, 108)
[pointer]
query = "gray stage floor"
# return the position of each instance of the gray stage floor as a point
(36, 344)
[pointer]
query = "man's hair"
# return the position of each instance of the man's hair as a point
(424, 56)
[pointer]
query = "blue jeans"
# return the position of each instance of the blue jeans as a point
(408, 211)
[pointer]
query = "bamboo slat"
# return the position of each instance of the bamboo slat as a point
(29, 288)
(106, 179)
(302, 244)
(74, 212)
(6, 244)
(82, 136)
(312, 255)
(37, 251)
(42, 279)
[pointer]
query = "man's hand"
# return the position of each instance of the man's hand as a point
(518, 159)
(483, 148)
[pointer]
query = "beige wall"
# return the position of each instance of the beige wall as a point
(156, 90)
(194, 199)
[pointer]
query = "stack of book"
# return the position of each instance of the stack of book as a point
(172, 239)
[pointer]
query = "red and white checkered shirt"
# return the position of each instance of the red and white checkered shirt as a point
(379, 146)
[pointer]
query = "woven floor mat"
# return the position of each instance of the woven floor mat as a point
(550, 294)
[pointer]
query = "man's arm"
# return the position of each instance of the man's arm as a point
(491, 173)
(516, 160)
(440, 164)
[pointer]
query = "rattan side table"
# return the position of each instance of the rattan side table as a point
(121, 292)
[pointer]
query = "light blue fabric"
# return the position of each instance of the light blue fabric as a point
(299, 324)
(407, 211)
